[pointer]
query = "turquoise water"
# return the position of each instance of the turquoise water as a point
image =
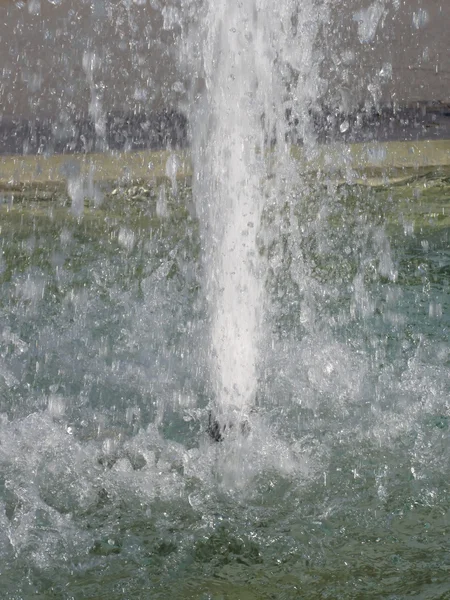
(338, 488)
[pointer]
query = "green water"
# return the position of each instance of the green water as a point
(109, 485)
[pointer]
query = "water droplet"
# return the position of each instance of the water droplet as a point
(34, 7)
(420, 18)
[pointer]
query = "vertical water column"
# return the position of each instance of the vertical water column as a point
(242, 51)
(229, 166)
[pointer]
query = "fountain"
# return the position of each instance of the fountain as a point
(211, 232)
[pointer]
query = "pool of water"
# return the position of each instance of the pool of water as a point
(337, 486)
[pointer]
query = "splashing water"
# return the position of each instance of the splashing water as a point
(327, 307)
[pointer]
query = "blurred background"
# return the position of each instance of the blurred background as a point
(73, 69)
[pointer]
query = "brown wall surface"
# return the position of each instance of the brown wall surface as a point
(57, 55)
(69, 57)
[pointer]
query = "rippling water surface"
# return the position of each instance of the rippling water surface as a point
(337, 486)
